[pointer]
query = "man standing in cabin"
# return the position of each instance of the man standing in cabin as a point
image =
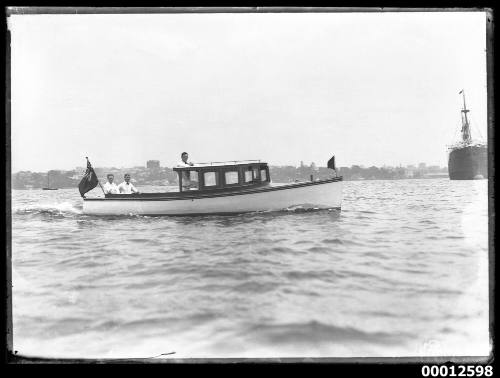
(110, 187)
(126, 187)
(186, 180)
(184, 161)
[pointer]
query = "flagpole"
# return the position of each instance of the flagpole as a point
(100, 185)
(96, 176)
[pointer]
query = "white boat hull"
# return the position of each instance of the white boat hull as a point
(327, 194)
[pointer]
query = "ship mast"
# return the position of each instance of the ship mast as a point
(466, 137)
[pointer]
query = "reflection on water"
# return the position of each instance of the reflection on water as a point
(402, 267)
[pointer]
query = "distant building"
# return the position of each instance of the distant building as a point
(422, 166)
(153, 164)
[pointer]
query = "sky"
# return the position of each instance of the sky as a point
(370, 88)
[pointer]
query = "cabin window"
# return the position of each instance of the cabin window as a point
(231, 177)
(263, 175)
(190, 180)
(249, 175)
(210, 178)
(256, 173)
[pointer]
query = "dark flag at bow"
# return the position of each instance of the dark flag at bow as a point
(331, 163)
(89, 181)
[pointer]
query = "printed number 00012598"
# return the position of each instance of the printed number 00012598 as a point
(457, 371)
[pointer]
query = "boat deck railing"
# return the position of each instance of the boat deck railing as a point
(228, 162)
(478, 143)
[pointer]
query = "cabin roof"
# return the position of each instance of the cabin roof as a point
(222, 164)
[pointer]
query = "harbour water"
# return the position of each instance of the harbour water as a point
(401, 270)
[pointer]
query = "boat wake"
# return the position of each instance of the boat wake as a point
(306, 207)
(69, 209)
(57, 209)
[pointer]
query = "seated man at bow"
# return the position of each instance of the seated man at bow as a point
(110, 187)
(127, 187)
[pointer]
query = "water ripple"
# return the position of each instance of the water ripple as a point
(402, 263)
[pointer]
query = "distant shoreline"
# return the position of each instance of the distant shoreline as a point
(162, 176)
(276, 182)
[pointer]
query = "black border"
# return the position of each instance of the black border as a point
(408, 364)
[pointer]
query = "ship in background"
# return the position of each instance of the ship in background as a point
(468, 159)
(48, 184)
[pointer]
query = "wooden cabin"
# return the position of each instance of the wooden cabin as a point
(222, 175)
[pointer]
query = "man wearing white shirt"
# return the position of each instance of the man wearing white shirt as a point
(126, 187)
(186, 179)
(184, 161)
(110, 187)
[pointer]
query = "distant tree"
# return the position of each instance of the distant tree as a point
(371, 173)
(345, 172)
(356, 170)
